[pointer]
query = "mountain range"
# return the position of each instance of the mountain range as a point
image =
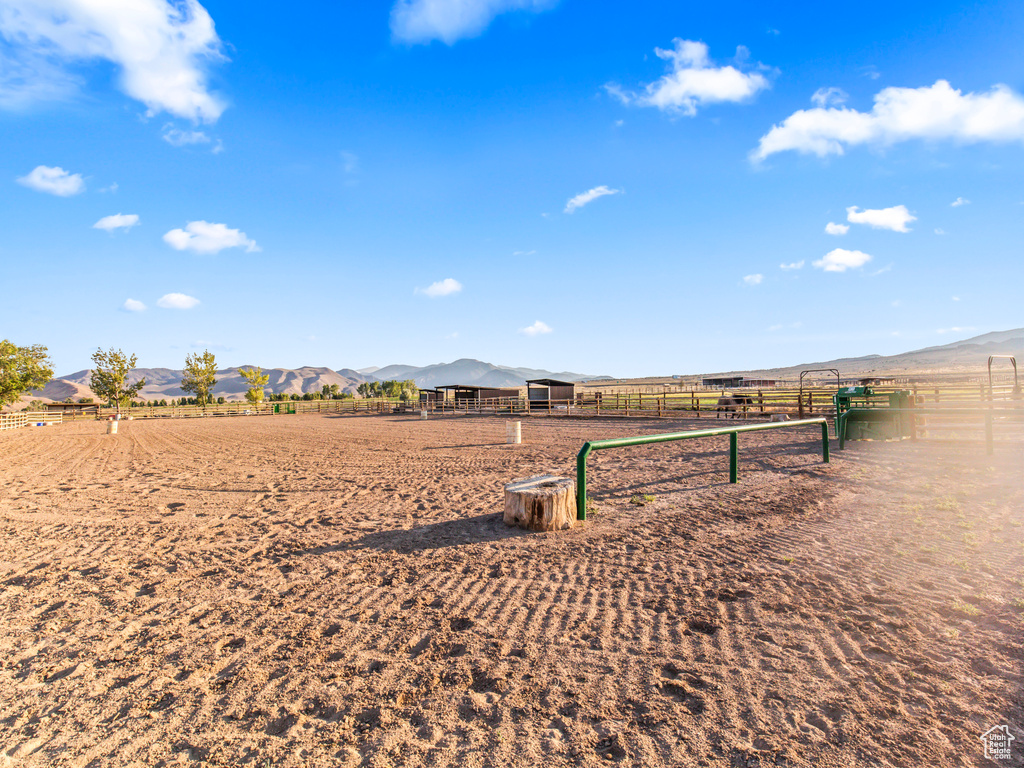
(165, 383)
(961, 357)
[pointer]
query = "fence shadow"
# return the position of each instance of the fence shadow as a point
(447, 533)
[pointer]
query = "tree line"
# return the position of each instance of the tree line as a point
(26, 369)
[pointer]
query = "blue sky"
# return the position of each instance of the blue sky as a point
(625, 189)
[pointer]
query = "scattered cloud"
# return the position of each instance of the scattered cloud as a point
(54, 181)
(131, 305)
(523, 253)
(537, 329)
(793, 265)
(350, 161)
(896, 303)
(420, 21)
(591, 194)
(693, 81)
(111, 189)
(895, 218)
(179, 138)
(780, 326)
(955, 298)
(162, 47)
(123, 221)
(204, 237)
(772, 31)
(937, 112)
(829, 97)
(840, 260)
(836, 229)
(452, 335)
(176, 301)
(882, 271)
(958, 202)
(753, 279)
(445, 287)
(940, 231)
(956, 329)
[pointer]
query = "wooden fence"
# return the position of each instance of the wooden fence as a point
(697, 403)
(26, 418)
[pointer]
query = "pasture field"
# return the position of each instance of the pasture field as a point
(325, 590)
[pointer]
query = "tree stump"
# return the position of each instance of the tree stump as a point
(541, 503)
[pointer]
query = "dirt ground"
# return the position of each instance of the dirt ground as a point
(323, 590)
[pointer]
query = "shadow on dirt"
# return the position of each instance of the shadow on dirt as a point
(447, 533)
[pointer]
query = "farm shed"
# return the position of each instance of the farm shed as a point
(74, 408)
(431, 396)
(461, 393)
(736, 382)
(543, 392)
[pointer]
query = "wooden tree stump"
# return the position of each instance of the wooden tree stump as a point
(541, 503)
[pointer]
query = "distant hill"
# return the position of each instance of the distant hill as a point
(966, 356)
(467, 371)
(165, 383)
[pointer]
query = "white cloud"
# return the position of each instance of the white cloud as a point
(829, 97)
(955, 298)
(753, 279)
(162, 47)
(179, 138)
(445, 287)
(204, 237)
(840, 260)
(350, 161)
(117, 221)
(523, 253)
(55, 181)
(940, 231)
(896, 303)
(956, 329)
(958, 202)
(793, 265)
(836, 229)
(901, 114)
(111, 189)
(692, 82)
(176, 301)
(536, 329)
(131, 305)
(420, 21)
(895, 218)
(591, 194)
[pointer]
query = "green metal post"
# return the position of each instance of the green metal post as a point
(581, 481)
(588, 447)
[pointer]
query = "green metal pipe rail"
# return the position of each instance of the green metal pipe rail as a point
(625, 442)
(841, 422)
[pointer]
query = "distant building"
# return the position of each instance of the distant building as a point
(543, 392)
(74, 408)
(737, 382)
(469, 394)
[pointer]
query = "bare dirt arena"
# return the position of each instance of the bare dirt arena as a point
(341, 591)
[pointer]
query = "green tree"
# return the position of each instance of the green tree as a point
(334, 391)
(257, 380)
(199, 376)
(109, 377)
(22, 369)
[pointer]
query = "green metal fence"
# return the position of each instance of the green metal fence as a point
(732, 432)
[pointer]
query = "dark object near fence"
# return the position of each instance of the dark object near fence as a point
(733, 405)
